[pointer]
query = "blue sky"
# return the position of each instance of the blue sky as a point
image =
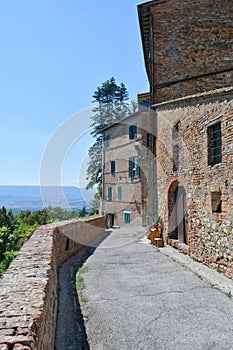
(53, 56)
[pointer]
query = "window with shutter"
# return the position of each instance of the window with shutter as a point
(133, 132)
(113, 167)
(109, 193)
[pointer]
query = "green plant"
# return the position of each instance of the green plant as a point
(83, 269)
(79, 283)
(82, 299)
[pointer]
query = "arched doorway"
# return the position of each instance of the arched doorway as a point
(178, 215)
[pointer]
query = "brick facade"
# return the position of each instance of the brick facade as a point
(187, 46)
(188, 53)
(209, 231)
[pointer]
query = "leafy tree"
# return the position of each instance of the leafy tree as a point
(8, 257)
(111, 107)
(83, 212)
(95, 203)
(134, 106)
(59, 214)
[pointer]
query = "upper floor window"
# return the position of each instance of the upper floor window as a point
(109, 193)
(214, 144)
(133, 132)
(107, 140)
(134, 169)
(113, 167)
(175, 146)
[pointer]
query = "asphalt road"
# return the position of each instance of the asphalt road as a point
(140, 299)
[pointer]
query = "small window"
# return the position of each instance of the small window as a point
(134, 169)
(214, 144)
(216, 202)
(148, 140)
(107, 140)
(113, 167)
(109, 193)
(133, 131)
(175, 146)
(119, 193)
(127, 217)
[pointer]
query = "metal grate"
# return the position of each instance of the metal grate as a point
(214, 144)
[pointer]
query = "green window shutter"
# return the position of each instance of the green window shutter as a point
(130, 167)
(127, 217)
(131, 132)
(109, 193)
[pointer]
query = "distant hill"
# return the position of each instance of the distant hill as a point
(35, 197)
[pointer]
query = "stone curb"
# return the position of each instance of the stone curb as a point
(212, 277)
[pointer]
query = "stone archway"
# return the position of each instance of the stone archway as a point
(177, 212)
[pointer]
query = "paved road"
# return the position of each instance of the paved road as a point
(140, 299)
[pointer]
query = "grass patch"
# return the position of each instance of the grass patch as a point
(80, 284)
(82, 299)
(83, 269)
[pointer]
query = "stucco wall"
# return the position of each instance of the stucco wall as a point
(28, 289)
(134, 190)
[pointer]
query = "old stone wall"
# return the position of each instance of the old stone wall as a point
(192, 47)
(28, 289)
(210, 231)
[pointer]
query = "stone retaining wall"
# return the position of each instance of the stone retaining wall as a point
(28, 289)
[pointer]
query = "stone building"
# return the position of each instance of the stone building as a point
(124, 173)
(188, 50)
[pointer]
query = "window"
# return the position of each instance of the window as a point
(175, 146)
(134, 169)
(133, 130)
(214, 144)
(147, 140)
(113, 167)
(109, 193)
(127, 217)
(107, 140)
(119, 193)
(216, 202)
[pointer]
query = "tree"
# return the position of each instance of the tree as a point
(111, 107)
(83, 212)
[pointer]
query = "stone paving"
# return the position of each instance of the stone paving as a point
(139, 298)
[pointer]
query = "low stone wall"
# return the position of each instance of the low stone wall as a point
(28, 289)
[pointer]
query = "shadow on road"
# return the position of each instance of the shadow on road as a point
(70, 330)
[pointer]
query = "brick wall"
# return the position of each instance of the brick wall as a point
(191, 39)
(210, 234)
(28, 289)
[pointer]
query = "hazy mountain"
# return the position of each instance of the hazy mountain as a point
(36, 197)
